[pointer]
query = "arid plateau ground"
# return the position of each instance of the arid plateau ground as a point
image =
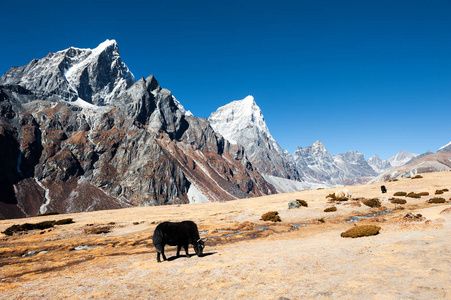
(246, 258)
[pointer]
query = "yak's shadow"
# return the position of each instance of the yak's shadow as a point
(184, 256)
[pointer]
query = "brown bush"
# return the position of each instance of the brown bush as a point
(302, 202)
(64, 221)
(362, 230)
(330, 209)
(272, 216)
(423, 194)
(97, 229)
(400, 194)
(416, 177)
(439, 192)
(32, 226)
(413, 195)
(372, 202)
(398, 201)
(332, 196)
(342, 199)
(437, 200)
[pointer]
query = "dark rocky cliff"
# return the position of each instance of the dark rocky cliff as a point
(121, 144)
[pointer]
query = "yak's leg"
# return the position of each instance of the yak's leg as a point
(160, 250)
(178, 250)
(162, 253)
(186, 250)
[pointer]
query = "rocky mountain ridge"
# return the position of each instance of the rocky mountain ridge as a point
(242, 122)
(79, 134)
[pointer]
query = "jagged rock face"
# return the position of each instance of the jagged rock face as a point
(401, 158)
(317, 165)
(97, 76)
(142, 148)
(378, 164)
(241, 122)
(355, 168)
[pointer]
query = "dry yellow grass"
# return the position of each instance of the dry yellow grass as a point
(247, 258)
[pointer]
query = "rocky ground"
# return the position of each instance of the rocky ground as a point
(246, 258)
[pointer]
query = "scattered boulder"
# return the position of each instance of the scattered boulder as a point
(414, 217)
(297, 203)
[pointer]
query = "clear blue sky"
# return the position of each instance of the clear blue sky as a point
(371, 76)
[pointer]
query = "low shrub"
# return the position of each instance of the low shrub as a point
(332, 196)
(400, 194)
(28, 226)
(439, 192)
(330, 209)
(445, 190)
(272, 216)
(437, 200)
(302, 202)
(321, 221)
(362, 230)
(416, 177)
(64, 221)
(97, 229)
(398, 201)
(413, 195)
(423, 193)
(372, 202)
(342, 199)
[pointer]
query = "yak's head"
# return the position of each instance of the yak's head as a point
(199, 246)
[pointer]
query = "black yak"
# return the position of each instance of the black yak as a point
(179, 234)
(383, 189)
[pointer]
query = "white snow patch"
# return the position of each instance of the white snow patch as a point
(449, 144)
(84, 104)
(47, 199)
(196, 196)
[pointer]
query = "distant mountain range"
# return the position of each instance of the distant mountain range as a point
(79, 133)
(242, 122)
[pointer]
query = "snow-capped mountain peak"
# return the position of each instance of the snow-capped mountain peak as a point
(84, 70)
(242, 122)
(239, 116)
(446, 148)
(401, 158)
(96, 76)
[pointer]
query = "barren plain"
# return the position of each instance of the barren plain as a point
(302, 257)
